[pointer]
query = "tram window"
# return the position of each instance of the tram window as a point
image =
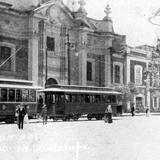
(97, 98)
(25, 95)
(3, 94)
(74, 98)
(32, 96)
(54, 98)
(102, 99)
(18, 95)
(61, 98)
(40, 99)
(82, 99)
(87, 99)
(91, 99)
(11, 95)
(67, 98)
(49, 98)
(119, 98)
(107, 99)
(112, 98)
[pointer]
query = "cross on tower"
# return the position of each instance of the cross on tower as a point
(82, 3)
(107, 10)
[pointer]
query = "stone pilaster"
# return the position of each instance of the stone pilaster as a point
(108, 63)
(82, 57)
(33, 51)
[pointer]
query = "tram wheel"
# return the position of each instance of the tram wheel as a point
(55, 119)
(89, 117)
(98, 118)
(75, 119)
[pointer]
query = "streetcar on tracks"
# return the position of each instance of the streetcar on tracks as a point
(71, 102)
(14, 92)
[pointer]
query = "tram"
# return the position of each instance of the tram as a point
(14, 92)
(71, 102)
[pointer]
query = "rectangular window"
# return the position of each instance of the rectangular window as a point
(155, 102)
(117, 73)
(50, 44)
(89, 71)
(5, 53)
(138, 75)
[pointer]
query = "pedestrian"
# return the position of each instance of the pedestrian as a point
(147, 111)
(16, 114)
(108, 114)
(44, 114)
(21, 113)
(26, 115)
(132, 110)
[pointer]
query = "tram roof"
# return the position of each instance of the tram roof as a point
(19, 86)
(78, 91)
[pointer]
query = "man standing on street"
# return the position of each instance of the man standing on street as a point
(44, 114)
(21, 113)
(132, 109)
(108, 114)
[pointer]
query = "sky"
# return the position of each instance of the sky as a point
(130, 17)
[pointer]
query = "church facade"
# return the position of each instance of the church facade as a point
(53, 43)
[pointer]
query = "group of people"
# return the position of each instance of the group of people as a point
(133, 110)
(21, 111)
(21, 114)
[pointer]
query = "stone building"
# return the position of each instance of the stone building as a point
(50, 42)
(142, 78)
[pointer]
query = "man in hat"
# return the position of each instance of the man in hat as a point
(21, 113)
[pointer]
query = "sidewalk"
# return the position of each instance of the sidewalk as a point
(141, 114)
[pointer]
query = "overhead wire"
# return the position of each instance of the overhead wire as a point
(10, 57)
(153, 16)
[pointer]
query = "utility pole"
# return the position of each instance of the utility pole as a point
(10, 57)
(68, 54)
(46, 76)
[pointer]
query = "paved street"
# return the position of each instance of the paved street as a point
(127, 138)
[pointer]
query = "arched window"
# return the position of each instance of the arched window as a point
(51, 81)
